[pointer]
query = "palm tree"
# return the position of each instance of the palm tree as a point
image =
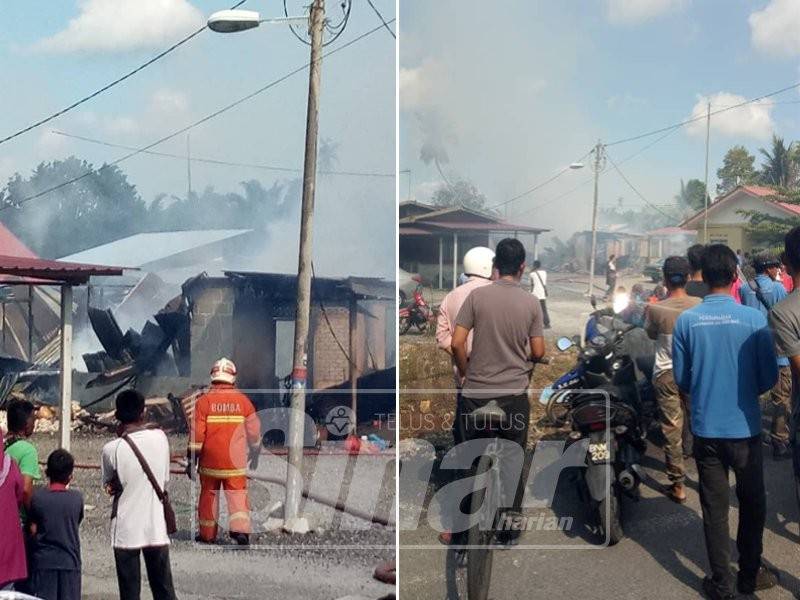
(780, 167)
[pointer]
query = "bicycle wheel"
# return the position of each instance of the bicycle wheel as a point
(481, 534)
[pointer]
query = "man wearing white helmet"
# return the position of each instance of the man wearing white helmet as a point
(225, 430)
(478, 267)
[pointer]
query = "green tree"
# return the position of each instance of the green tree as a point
(738, 168)
(692, 195)
(97, 208)
(780, 167)
(255, 208)
(461, 193)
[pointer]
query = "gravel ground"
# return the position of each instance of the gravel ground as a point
(334, 563)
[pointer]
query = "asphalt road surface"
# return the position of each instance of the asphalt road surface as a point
(663, 555)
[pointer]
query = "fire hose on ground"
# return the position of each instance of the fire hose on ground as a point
(335, 504)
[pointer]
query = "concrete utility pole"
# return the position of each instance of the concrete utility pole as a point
(708, 140)
(598, 154)
(294, 478)
(65, 388)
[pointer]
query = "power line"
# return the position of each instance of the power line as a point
(108, 86)
(191, 126)
(213, 161)
(636, 191)
(590, 179)
(703, 117)
(380, 16)
(539, 185)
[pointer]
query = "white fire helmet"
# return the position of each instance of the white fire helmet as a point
(223, 371)
(479, 261)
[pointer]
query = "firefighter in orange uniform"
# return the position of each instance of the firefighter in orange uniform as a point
(226, 436)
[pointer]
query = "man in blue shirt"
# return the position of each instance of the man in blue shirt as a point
(723, 355)
(763, 293)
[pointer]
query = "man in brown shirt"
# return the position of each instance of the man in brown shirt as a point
(659, 322)
(507, 338)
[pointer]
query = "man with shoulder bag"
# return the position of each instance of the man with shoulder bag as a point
(135, 471)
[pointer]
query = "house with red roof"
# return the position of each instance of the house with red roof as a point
(725, 222)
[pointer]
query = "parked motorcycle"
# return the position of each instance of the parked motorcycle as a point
(610, 403)
(417, 313)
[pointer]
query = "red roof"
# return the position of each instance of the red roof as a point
(792, 208)
(760, 190)
(11, 246)
(53, 270)
(672, 231)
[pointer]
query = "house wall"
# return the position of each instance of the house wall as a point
(254, 347)
(727, 226)
(212, 332)
(329, 365)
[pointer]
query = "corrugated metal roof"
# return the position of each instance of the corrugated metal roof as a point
(280, 285)
(53, 270)
(144, 248)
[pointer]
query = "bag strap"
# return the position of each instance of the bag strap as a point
(759, 294)
(145, 467)
(539, 277)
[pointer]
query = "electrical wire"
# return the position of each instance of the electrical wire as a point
(702, 117)
(336, 30)
(209, 117)
(110, 85)
(636, 191)
(539, 185)
(226, 163)
(590, 179)
(380, 16)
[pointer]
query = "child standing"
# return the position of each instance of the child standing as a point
(55, 515)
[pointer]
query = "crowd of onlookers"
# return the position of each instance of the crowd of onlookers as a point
(40, 553)
(727, 331)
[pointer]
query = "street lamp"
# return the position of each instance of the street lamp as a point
(233, 21)
(576, 165)
(230, 21)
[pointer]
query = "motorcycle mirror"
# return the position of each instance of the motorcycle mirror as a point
(564, 343)
(593, 301)
(576, 340)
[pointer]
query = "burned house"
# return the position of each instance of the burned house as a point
(249, 317)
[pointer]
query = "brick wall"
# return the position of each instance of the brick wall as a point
(329, 365)
(211, 329)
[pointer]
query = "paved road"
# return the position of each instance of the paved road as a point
(663, 555)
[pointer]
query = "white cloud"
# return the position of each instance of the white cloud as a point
(629, 12)
(752, 121)
(775, 30)
(418, 85)
(122, 25)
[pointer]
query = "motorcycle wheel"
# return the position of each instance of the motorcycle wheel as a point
(404, 325)
(481, 535)
(610, 518)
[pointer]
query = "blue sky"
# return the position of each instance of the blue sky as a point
(52, 53)
(524, 88)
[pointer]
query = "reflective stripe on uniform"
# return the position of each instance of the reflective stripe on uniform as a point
(239, 516)
(225, 419)
(205, 523)
(195, 446)
(222, 473)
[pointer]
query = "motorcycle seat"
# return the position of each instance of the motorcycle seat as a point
(490, 413)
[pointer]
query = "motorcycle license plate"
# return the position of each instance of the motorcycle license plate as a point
(598, 453)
